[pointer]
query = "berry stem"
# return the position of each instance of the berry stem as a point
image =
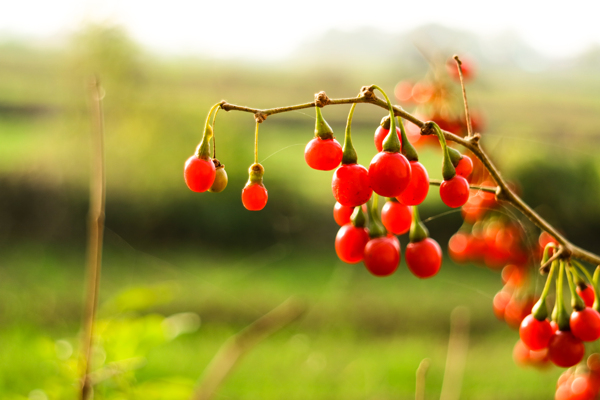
(256, 144)
(418, 231)
(376, 228)
(358, 217)
(539, 310)
(391, 142)
(562, 318)
(213, 130)
(576, 301)
(322, 129)
(349, 153)
(448, 171)
(203, 149)
(408, 149)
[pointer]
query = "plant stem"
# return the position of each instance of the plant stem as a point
(95, 235)
(464, 93)
(503, 193)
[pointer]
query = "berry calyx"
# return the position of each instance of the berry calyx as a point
(396, 217)
(254, 194)
(220, 182)
(382, 131)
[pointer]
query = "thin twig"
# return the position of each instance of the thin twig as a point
(503, 193)
(421, 377)
(488, 189)
(241, 343)
(464, 93)
(95, 235)
(458, 345)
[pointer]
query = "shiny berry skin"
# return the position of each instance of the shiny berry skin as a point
(565, 350)
(501, 300)
(458, 247)
(396, 217)
(350, 243)
(382, 255)
(534, 333)
(585, 324)
(389, 174)
(254, 196)
(418, 187)
(199, 173)
(464, 166)
(380, 135)
(350, 185)
(455, 192)
(342, 214)
(424, 258)
(587, 295)
(323, 154)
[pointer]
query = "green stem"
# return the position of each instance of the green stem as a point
(562, 318)
(376, 228)
(448, 171)
(349, 154)
(213, 130)
(418, 231)
(408, 149)
(539, 310)
(203, 149)
(576, 301)
(322, 129)
(358, 217)
(391, 143)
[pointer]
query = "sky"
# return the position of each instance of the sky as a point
(272, 29)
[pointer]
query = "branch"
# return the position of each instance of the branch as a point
(95, 234)
(241, 343)
(503, 192)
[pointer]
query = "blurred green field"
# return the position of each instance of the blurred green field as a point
(362, 337)
(170, 251)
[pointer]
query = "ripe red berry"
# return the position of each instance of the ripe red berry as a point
(389, 173)
(534, 333)
(199, 173)
(424, 258)
(323, 154)
(464, 166)
(396, 217)
(342, 214)
(382, 255)
(585, 324)
(501, 300)
(350, 243)
(455, 192)
(403, 91)
(587, 295)
(565, 350)
(254, 196)
(380, 135)
(350, 185)
(418, 187)
(458, 246)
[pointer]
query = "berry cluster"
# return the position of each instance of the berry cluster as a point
(582, 383)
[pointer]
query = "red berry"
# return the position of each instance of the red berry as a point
(587, 295)
(534, 333)
(565, 350)
(455, 192)
(501, 300)
(424, 258)
(585, 324)
(382, 255)
(342, 214)
(458, 247)
(380, 135)
(389, 174)
(199, 173)
(350, 185)
(254, 196)
(516, 310)
(422, 92)
(403, 91)
(350, 243)
(464, 166)
(418, 187)
(396, 217)
(323, 154)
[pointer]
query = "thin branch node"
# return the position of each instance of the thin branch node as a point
(321, 99)
(457, 59)
(260, 117)
(428, 128)
(475, 138)
(367, 92)
(225, 105)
